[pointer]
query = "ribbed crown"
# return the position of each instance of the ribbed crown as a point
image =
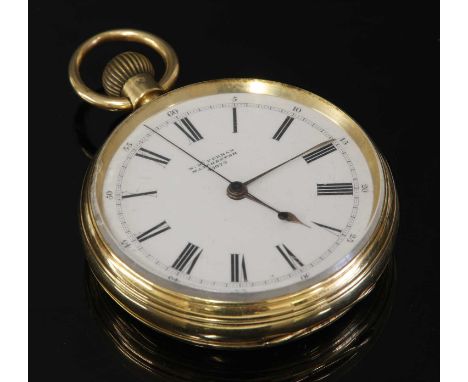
(121, 68)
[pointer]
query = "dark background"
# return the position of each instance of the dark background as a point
(377, 61)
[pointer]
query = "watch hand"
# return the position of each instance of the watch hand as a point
(282, 215)
(238, 190)
(289, 160)
(190, 155)
(290, 217)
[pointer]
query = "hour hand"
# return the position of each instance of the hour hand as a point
(290, 217)
(238, 191)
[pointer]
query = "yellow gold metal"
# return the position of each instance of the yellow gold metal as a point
(331, 352)
(123, 67)
(121, 103)
(240, 324)
(141, 89)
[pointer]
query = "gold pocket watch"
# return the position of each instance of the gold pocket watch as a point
(231, 213)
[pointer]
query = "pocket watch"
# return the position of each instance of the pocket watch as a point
(232, 213)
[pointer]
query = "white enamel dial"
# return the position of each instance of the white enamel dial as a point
(172, 216)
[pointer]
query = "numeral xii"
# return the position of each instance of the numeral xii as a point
(188, 129)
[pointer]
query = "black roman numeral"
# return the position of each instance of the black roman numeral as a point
(320, 152)
(234, 120)
(187, 259)
(147, 154)
(238, 271)
(152, 232)
(290, 257)
(282, 129)
(188, 129)
(139, 194)
(335, 189)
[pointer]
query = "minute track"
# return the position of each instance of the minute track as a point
(205, 261)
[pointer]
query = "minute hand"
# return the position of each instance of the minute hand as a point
(289, 160)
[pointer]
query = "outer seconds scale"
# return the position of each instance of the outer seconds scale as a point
(232, 213)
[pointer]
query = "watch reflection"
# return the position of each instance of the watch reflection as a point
(324, 355)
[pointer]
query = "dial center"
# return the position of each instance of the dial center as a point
(237, 190)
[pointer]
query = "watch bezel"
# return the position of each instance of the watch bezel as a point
(140, 291)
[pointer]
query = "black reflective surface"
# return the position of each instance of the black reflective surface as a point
(377, 62)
